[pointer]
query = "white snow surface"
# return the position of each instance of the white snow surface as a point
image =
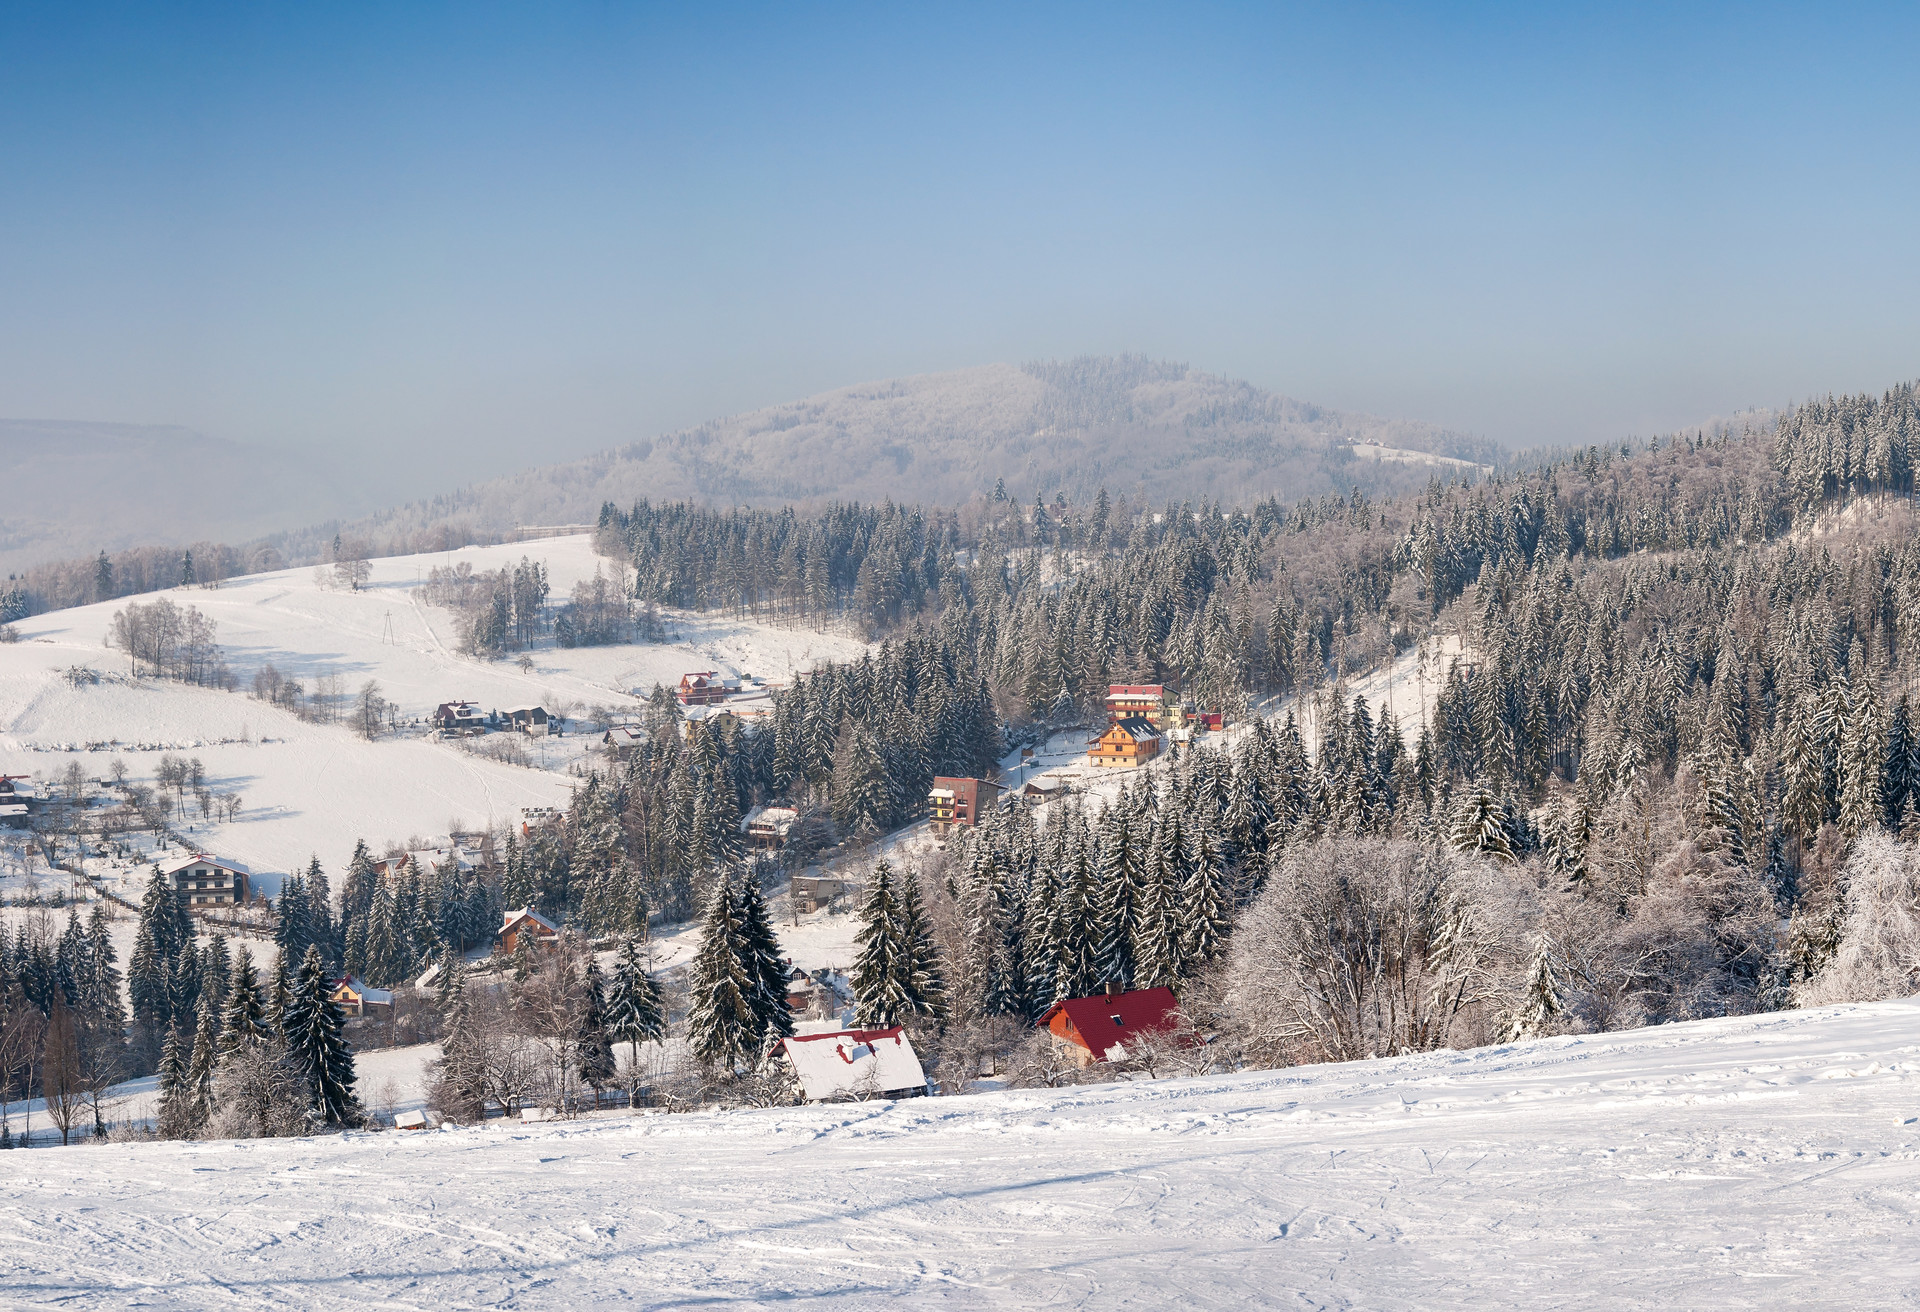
(312, 789)
(1760, 1162)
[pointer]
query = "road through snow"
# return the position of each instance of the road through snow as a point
(1761, 1162)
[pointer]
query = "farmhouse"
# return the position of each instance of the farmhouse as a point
(1098, 1028)
(532, 720)
(525, 925)
(959, 801)
(1146, 701)
(354, 996)
(459, 717)
(1125, 744)
(204, 881)
(1044, 790)
(856, 1064)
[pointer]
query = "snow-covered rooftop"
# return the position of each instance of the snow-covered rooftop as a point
(854, 1063)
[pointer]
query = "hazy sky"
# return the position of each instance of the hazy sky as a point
(473, 239)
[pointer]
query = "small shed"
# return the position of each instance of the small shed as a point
(856, 1064)
(624, 739)
(528, 924)
(1099, 1027)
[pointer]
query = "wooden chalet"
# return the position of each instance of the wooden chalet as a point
(204, 882)
(1125, 744)
(354, 996)
(704, 687)
(955, 801)
(766, 827)
(1098, 1028)
(529, 926)
(1145, 701)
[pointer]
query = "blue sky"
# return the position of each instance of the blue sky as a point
(473, 238)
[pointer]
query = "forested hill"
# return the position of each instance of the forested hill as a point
(1685, 700)
(1126, 423)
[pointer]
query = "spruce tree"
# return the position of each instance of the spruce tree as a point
(200, 1068)
(592, 1048)
(880, 968)
(164, 930)
(1540, 998)
(722, 1028)
(925, 986)
(763, 963)
(243, 1022)
(175, 1120)
(1118, 895)
(1205, 906)
(315, 1033)
(635, 1013)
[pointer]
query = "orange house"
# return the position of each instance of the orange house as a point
(1125, 744)
(1099, 1027)
(527, 925)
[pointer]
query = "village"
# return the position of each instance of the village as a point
(76, 840)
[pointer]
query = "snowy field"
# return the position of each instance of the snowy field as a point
(313, 789)
(1766, 1162)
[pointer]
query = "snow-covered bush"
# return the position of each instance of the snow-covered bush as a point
(1878, 955)
(1366, 947)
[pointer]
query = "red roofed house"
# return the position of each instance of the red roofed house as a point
(528, 925)
(959, 801)
(856, 1064)
(1098, 1028)
(705, 687)
(1148, 701)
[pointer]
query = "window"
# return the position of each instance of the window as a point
(1117, 1021)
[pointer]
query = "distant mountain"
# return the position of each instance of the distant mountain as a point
(71, 489)
(1125, 423)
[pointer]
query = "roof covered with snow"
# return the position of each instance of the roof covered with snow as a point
(855, 1063)
(178, 864)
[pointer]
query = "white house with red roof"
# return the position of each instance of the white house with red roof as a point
(856, 1064)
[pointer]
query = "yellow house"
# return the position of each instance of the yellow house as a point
(1126, 743)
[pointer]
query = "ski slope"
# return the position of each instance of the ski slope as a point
(1761, 1162)
(314, 788)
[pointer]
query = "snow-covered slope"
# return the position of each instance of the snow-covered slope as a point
(311, 788)
(1762, 1162)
